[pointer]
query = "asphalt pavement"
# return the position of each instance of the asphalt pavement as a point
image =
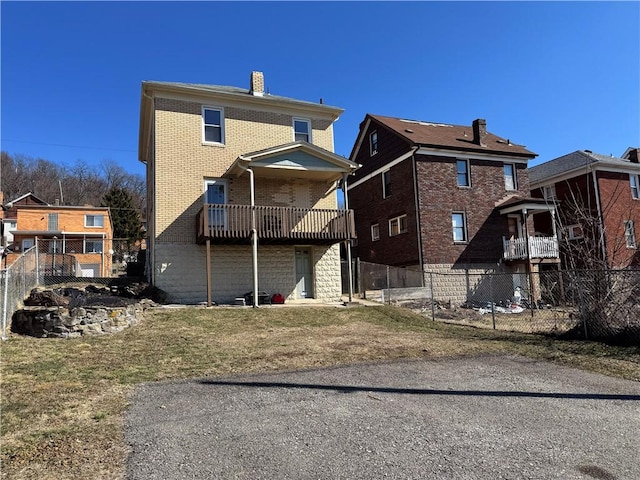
(488, 417)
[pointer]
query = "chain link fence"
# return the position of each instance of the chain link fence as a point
(601, 305)
(16, 281)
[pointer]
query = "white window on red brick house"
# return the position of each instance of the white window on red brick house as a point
(93, 246)
(373, 143)
(459, 225)
(386, 183)
(635, 186)
(574, 232)
(52, 222)
(213, 125)
(462, 170)
(301, 130)
(630, 234)
(375, 232)
(510, 181)
(549, 193)
(398, 225)
(94, 220)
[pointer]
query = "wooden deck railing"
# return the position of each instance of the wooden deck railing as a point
(286, 224)
(539, 247)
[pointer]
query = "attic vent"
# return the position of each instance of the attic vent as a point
(408, 130)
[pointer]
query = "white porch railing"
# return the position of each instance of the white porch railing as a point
(539, 247)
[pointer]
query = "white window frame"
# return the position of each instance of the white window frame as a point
(27, 243)
(86, 223)
(375, 232)
(630, 234)
(634, 181)
(549, 193)
(221, 126)
(93, 240)
(572, 232)
(52, 222)
(465, 234)
(467, 172)
(401, 222)
(309, 133)
(513, 176)
(372, 143)
(386, 192)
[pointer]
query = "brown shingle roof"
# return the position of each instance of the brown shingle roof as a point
(455, 137)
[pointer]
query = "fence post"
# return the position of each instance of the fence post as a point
(583, 311)
(364, 294)
(5, 304)
(493, 303)
(388, 286)
(433, 300)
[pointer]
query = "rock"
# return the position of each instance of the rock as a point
(45, 298)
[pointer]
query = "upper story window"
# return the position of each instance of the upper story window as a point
(386, 183)
(93, 246)
(52, 222)
(373, 143)
(574, 232)
(630, 234)
(635, 186)
(94, 220)
(459, 224)
(213, 125)
(462, 170)
(549, 193)
(375, 232)
(302, 130)
(398, 225)
(510, 182)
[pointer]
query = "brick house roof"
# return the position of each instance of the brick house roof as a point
(455, 137)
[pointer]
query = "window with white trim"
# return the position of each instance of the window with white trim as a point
(398, 225)
(574, 232)
(462, 172)
(373, 143)
(375, 232)
(386, 183)
(301, 130)
(634, 180)
(213, 125)
(52, 222)
(510, 181)
(459, 226)
(93, 246)
(630, 234)
(549, 193)
(94, 221)
(215, 193)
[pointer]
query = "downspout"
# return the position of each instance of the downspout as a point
(600, 227)
(348, 242)
(254, 237)
(150, 263)
(417, 202)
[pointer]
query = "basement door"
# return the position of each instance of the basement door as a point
(304, 273)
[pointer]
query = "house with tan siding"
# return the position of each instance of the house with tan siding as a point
(242, 193)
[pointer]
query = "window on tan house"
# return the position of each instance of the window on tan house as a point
(459, 225)
(510, 181)
(375, 232)
(213, 125)
(93, 246)
(462, 171)
(94, 221)
(301, 130)
(52, 222)
(398, 225)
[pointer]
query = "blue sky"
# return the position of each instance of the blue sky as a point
(556, 77)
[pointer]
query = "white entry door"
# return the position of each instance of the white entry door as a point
(304, 273)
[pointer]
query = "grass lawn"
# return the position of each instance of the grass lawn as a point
(63, 400)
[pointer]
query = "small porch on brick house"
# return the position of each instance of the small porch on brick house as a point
(222, 222)
(521, 247)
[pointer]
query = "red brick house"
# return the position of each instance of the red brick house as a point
(445, 198)
(598, 204)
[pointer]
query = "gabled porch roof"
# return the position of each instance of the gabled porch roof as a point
(529, 204)
(293, 160)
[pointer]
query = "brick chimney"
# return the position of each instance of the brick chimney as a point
(480, 132)
(257, 84)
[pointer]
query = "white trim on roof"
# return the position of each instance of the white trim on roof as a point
(600, 166)
(383, 168)
(502, 158)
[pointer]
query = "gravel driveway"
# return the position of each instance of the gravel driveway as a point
(490, 417)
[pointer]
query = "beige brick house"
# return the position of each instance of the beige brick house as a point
(242, 193)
